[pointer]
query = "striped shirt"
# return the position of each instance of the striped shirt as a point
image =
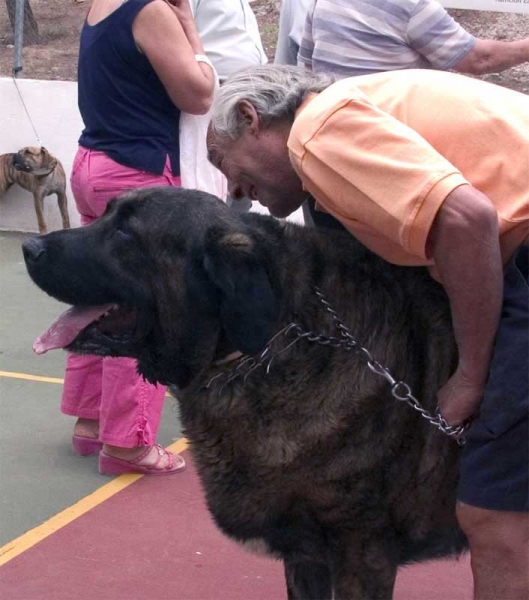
(357, 37)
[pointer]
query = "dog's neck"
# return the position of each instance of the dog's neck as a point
(43, 172)
(232, 357)
(225, 352)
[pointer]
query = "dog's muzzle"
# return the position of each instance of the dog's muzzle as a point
(19, 164)
(33, 249)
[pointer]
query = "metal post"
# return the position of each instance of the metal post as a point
(19, 36)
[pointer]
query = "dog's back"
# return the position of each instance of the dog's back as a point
(6, 168)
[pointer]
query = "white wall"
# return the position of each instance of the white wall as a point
(52, 106)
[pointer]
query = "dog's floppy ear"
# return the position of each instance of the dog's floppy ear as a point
(248, 305)
(51, 161)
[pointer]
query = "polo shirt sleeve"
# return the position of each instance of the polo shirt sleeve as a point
(372, 172)
(437, 36)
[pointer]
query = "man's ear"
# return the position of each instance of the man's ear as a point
(249, 116)
(248, 304)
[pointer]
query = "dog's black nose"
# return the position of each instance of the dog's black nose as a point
(18, 163)
(33, 249)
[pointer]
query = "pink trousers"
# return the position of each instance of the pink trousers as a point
(109, 389)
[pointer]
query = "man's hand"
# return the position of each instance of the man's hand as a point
(464, 241)
(459, 399)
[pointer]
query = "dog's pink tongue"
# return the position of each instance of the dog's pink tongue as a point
(67, 327)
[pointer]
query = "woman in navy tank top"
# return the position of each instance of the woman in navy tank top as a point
(140, 63)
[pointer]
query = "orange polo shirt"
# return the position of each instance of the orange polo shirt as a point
(382, 152)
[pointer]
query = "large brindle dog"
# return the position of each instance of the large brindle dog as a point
(303, 452)
(38, 171)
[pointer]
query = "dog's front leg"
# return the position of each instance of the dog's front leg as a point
(63, 207)
(308, 581)
(38, 201)
(365, 570)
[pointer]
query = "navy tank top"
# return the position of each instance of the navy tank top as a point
(126, 111)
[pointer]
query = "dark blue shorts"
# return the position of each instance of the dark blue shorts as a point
(495, 461)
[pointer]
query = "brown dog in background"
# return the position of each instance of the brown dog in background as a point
(38, 171)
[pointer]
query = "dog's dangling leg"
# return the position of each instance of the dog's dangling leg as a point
(308, 581)
(63, 207)
(38, 201)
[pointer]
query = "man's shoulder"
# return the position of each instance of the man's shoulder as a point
(403, 9)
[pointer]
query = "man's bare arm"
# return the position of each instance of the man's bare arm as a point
(464, 242)
(493, 56)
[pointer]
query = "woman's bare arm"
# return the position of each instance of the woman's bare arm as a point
(167, 36)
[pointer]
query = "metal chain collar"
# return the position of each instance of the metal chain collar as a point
(400, 390)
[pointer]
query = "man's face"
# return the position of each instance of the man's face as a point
(257, 166)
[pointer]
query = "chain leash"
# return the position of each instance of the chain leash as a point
(26, 110)
(400, 390)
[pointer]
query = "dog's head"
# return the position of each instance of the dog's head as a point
(174, 276)
(34, 160)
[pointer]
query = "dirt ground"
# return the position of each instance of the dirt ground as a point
(54, 54)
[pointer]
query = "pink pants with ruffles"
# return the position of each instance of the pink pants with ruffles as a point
(109, 389)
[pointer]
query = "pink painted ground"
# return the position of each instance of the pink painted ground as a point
(155, 540)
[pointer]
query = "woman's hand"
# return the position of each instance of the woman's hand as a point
(181, 9)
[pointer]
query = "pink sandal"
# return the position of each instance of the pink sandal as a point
(85, 446)
(110, 465)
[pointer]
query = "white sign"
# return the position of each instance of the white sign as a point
(514, 6)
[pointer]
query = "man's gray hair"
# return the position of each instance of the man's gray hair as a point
(275, 91)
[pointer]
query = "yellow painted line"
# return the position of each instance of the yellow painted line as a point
(28, 377)
(36, 535)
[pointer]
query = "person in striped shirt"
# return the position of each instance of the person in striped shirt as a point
(358, 37)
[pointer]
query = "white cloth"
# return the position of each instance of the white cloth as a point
(291, 25)
(230, 36)
(229, 33)
(196, 172)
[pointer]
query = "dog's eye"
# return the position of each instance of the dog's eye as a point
(124, 232)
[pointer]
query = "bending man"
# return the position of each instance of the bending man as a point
(424, 168)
